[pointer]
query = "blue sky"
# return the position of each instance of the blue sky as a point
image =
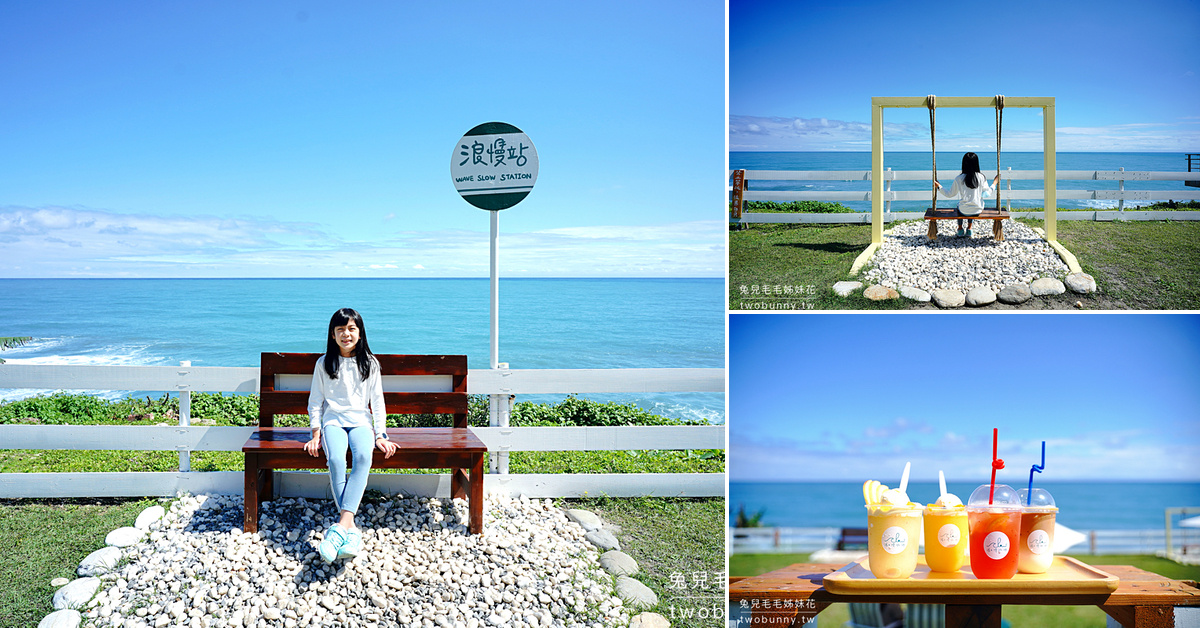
(855, 396)
(312, 139)
(802, 74)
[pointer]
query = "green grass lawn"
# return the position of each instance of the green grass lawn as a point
(679, 545)
(1137, 265)
(44, 540)
(1019, 616)
(1144, 265)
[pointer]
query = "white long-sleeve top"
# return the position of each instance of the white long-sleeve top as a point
(348, 401)
(972, 198)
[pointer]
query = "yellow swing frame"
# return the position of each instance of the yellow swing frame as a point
(1048, 164)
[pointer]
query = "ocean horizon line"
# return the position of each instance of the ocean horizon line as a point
(953, 150)
(635, 278)
(1036, 482)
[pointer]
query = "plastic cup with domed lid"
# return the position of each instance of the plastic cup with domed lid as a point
(893, 531)
(994, 522)
(1036, 544)
(945, 531)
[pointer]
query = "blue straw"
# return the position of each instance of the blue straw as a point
(1038, 468)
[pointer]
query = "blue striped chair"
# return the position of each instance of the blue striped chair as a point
(863, 615)
(924, 616)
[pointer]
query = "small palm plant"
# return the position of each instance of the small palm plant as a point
(12, 341)
(753, 521)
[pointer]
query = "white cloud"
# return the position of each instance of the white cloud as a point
(753, 133)
(67, 242)
(1114, 454)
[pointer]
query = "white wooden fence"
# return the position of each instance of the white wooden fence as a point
(500, 440)
(1120, 195)
(787, 540)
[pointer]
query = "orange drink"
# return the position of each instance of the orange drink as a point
(945, 538)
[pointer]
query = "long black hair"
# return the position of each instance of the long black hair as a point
(362, 351)
(971, 170)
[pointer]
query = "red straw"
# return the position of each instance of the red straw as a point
(996, 464)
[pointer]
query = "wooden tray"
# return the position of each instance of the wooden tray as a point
(1066, 575)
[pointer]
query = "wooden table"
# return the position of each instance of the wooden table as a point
(458, 449)
(794, 595)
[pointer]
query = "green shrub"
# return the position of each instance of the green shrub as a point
(810, 207)
(242, 410)
(1173, 205)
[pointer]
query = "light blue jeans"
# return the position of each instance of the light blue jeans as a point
(347, 493)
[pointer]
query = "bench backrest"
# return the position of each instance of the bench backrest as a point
(412, 384)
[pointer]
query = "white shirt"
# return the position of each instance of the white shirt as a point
(347, 401)
(972, 198)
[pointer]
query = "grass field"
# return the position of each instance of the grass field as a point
(45, 540)
(1137, 265)
(1019, 616)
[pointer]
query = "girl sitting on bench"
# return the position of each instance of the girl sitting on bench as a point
(345, 409)
(972, 186)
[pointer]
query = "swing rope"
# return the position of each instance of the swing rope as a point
(999, 126)
(931, 102)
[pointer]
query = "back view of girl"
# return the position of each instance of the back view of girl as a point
(972, 186)
(345, 409)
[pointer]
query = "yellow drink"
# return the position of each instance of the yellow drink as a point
(945, 538)
(893, 533)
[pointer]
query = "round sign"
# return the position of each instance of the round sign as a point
(494, 166)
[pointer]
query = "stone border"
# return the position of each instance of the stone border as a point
(621, 566)
(1015, 294)
(73, 596)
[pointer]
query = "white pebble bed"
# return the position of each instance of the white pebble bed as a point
(531, 567)
(908, 258)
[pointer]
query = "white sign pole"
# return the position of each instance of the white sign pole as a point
(495, 289)
(494, 167)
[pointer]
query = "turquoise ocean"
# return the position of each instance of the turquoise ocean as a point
(950, 164)
(544, 324)
(1120, 505)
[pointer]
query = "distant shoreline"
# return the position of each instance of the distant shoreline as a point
(959, 150)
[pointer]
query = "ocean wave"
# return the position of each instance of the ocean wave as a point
(688, 412)
(113, 355)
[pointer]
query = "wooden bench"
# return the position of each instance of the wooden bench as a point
(852, 538)
(284, 381)
(949, 213)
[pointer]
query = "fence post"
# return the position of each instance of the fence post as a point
(1121, 203)
(1009, 189)
(505, 407)
(499, 411)
(185, 417)
(887, 214)
(493, 421)
(1169, 534)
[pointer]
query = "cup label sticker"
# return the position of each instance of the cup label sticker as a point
(894, 540)
(948, 535)
(1039, 542)
(996, 545)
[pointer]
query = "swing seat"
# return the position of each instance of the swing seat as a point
(951, 213)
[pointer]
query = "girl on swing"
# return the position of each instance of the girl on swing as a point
(972, 186)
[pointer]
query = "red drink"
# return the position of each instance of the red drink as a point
(994, 533)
